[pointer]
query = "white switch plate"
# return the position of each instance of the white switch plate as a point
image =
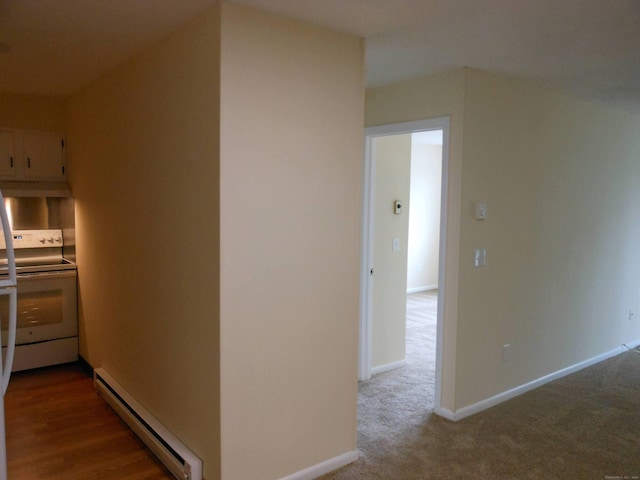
(396, 244)
(480, 259)
(481, 211)
(506, 352)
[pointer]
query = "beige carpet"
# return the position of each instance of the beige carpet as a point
(583, 426)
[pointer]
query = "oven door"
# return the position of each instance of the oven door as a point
(47, 307)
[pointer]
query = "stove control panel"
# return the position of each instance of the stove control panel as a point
(34, 239)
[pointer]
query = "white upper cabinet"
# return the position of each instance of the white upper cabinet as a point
(44, 156)
(31, 155)
(7, 153)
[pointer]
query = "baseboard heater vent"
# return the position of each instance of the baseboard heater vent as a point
(180, 461)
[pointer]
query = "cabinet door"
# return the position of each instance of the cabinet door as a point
(44, 156)
(7, 153)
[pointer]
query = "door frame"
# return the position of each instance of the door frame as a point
(366, 260)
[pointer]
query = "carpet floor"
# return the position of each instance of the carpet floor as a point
(583, 426)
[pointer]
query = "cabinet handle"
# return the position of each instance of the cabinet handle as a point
(28, 162)
(11, 161)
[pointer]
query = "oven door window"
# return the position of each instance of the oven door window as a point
(34, 309)
(46, 309)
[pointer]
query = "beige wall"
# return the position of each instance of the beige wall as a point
(31, 112)
(146, 169)
(424, 216)
(437, 96)
(391, 158)
(144, 166)
(559, 179)
(557, 175)
(291, 173)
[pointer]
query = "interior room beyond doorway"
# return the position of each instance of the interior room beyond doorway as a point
(406, 243)
(389, 271)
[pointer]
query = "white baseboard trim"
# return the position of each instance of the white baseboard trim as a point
(422, 289)
(514, 392)
(387, 367)
(324, 467)
(444, 413)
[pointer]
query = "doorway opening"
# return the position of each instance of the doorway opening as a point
(398, 261)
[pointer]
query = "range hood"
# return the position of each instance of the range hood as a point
(35, 189)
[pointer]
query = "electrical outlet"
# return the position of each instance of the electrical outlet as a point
(630, 315)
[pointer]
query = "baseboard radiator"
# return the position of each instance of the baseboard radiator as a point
(180, 461)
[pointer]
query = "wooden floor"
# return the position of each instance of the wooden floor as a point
(59, 428)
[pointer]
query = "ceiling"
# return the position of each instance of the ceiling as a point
(586, 48)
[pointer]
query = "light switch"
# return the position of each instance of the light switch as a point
(506, 352)
(480, 259)
(396, 244)
(481, 211)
